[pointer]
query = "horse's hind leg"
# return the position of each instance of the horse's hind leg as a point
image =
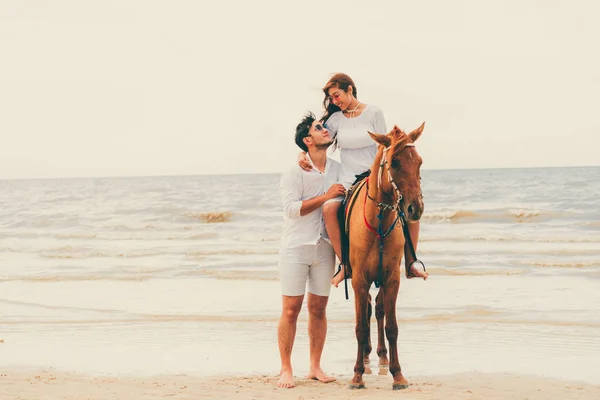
(391, 331)
(379, 314)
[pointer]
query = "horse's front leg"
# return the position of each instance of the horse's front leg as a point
(368, 347)
(379, 314)
(361, 293)
(391, 331)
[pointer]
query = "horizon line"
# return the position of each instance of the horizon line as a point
(269, 173)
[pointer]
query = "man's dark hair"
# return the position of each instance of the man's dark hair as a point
(303, 128)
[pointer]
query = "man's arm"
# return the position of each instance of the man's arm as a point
(291, 195)
(290, 189)
(311, 205)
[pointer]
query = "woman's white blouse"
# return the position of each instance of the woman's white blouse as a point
(357, 149)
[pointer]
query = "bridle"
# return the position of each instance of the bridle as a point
(384, 163)
(397, 207)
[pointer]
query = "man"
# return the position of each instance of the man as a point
(306, 255)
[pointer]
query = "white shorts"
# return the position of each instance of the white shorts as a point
(312, 264)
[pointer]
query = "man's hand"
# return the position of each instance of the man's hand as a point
(335, 190)
(304, 162)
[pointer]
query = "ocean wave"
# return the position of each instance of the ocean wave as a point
(239, 274)
(130, 228)
(441, 271)
(273, 274)
(561, 264)
(210, 217)
(237, 252)
(506, 215)
(155, 210)
(459, 317)
(528, 239)
(148, 236)
(473, 317)
(42, 221)
(68, 252)
(452, 216)
(257, 238)
(244, 275)
(20, 235)
(75, 278)
(76, 235)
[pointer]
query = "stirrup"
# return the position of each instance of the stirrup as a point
(346, 276)
(409, 273)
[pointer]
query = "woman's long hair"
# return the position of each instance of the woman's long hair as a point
(341, 81)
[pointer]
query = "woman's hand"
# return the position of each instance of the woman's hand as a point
(304, 162)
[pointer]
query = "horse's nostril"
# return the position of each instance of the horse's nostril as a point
(410, 209)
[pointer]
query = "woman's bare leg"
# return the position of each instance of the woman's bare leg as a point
(415, 270)
(332, 224)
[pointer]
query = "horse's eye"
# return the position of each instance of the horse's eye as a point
(395, 164)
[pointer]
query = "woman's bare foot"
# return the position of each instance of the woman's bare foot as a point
(318, 374)
(416, 272)
(286, 380)
(338, 277)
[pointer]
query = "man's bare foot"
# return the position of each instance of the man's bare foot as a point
(318, 374)
(286, 380)
(417, 272)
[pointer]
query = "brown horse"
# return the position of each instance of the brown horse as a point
(393, 187)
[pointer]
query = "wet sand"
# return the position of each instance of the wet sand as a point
(50, 384)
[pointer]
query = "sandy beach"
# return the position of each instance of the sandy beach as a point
(50, 384)
(230, 351)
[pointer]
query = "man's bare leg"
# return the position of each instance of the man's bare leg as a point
(413, 230)
(286, 333)
(317, 330)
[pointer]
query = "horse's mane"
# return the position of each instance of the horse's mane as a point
(399, 140)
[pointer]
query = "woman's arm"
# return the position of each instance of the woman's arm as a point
(379, 122)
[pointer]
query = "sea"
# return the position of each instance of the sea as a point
(179, 274)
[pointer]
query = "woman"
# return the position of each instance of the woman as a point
(348, 121)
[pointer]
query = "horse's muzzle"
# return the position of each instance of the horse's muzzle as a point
(414, 211)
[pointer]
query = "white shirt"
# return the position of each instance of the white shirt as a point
(357, 149)
(297, 185)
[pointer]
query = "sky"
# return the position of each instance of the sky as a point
(146, 87)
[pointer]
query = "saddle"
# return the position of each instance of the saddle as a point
(344, 215)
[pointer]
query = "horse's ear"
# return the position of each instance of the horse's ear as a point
(381, 139)
(414, 135)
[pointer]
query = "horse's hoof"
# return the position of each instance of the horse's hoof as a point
(400, 386)
(356, 385)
